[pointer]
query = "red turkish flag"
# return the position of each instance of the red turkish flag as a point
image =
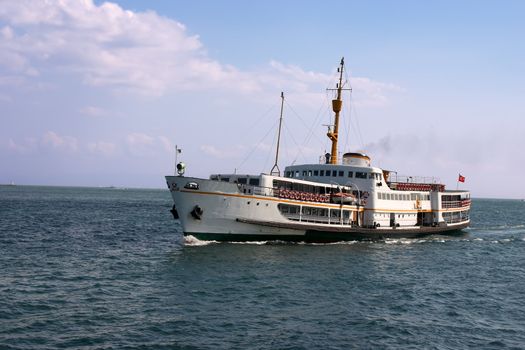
(461, 178)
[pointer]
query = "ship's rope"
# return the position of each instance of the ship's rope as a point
(260, 118)
(299, 152)
(323, 110)
(274, 143)
(310, 128)
(257, 145)
(355, 119)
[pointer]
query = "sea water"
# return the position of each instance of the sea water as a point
(87, 268)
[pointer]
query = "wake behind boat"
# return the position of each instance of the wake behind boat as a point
(339, 198)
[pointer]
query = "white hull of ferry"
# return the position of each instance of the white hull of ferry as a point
(216, 210)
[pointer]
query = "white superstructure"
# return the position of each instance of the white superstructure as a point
(331, 200)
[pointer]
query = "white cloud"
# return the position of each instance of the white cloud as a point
(143, 52)
(140, 144)
(93, 111)
(66, 143)
(139, 139)
(102, 147)
(27, 146)
(106, 44)
(167, 144)
(222, 153)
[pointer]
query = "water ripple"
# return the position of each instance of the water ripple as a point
(102, 268)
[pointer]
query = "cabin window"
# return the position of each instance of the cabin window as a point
(371, 176)
(254, 182)
(334, 173)
(350, 174)
(297, 173)
(360, 175)
(241, 180)
(327, 173)
(213, 177)
(287, 174)
(225, 179)
(321, 172)
(288, 209)
(304, 172)
(309, 173)
(341, 173)
(316, 172)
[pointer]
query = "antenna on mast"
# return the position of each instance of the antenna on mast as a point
(337, 105)
(275, 169)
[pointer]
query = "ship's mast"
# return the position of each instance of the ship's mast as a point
(337, 105)
(275, 169)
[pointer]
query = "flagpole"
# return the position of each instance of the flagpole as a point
(176, 154)
(457, 182)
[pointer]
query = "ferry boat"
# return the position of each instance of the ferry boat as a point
(334, 199)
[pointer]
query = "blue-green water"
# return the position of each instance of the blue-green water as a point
(91, 268)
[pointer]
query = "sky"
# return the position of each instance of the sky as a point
(99, 93)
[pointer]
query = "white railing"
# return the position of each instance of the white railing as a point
(455, 204)
(318, 219)
(393, 177)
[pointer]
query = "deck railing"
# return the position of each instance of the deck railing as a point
(286, 194)
(455, 204)
(318, 219)
(412, 186)
(393, 177)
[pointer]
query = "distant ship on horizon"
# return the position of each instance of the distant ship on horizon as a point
(338, 198)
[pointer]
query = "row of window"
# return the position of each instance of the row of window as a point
(333, 173)
(313, 214)
(389, 215)
(452, 217)
(240, 180)
(402, 196)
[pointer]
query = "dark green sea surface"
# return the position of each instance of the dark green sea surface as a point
(86, 268)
